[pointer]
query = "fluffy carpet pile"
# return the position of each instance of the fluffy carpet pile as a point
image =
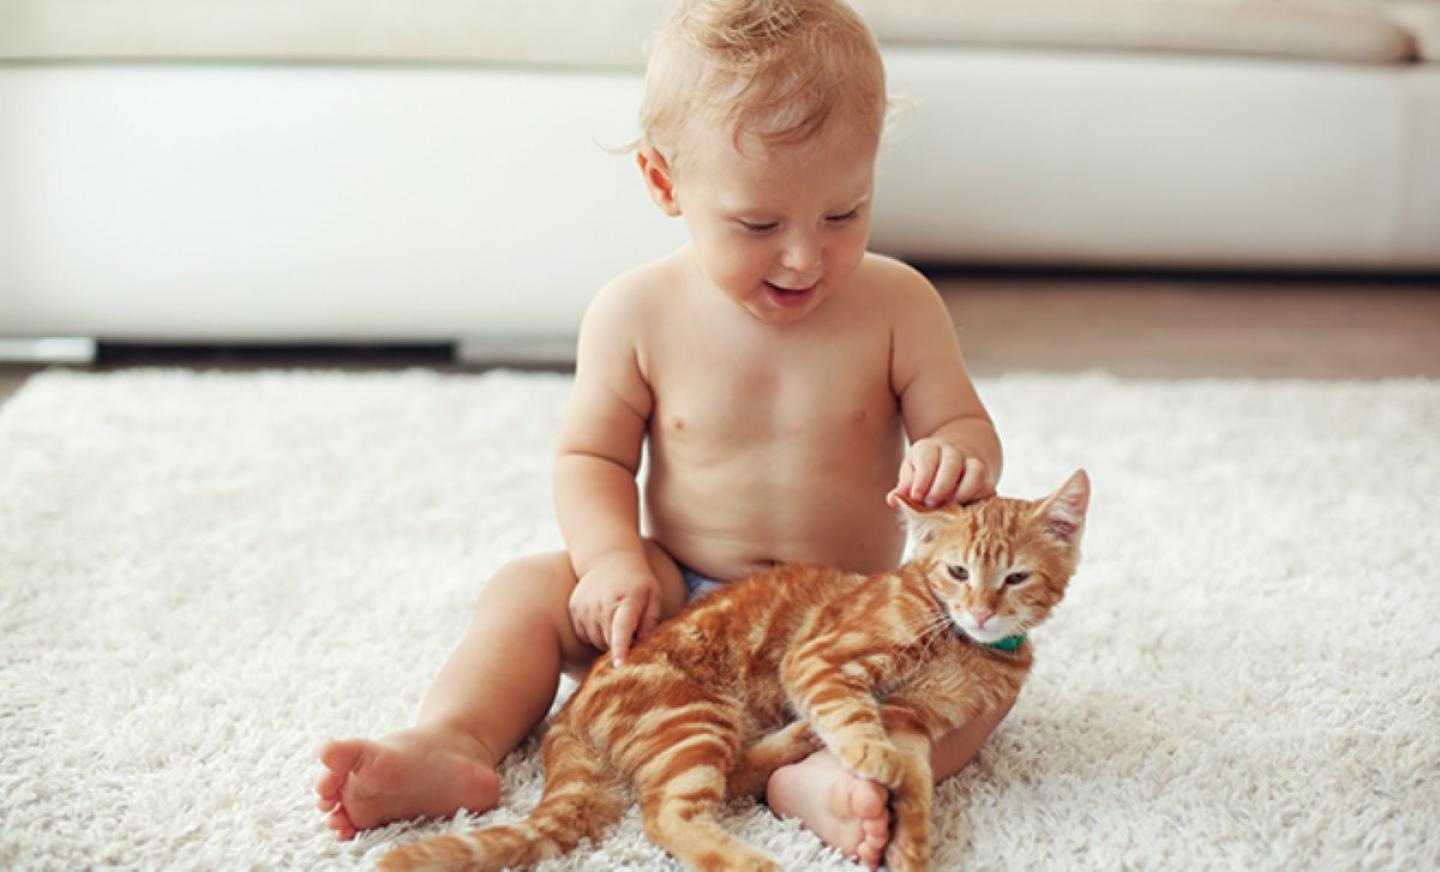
(203, 576)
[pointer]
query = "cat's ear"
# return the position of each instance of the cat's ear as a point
(1063, 512)
(922, 520)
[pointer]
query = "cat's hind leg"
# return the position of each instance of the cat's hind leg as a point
(683, 818)
(681, 793)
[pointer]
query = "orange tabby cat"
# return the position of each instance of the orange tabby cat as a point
(874, 666)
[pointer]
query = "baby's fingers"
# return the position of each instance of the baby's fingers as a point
(907, 475)
(581, 625)
(947, 477)
(651, 618)
(622, 628)
(925, 458)
(902, 486)
(974, 483)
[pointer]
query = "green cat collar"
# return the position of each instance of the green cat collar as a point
(1009, 644)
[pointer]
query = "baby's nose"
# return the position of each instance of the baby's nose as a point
(802, 256)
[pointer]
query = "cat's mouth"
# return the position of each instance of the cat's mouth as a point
(984, 636)
(961, 628)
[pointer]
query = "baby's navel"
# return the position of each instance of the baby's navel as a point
(859, 416)
(679, 424)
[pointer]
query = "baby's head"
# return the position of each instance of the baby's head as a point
(760, 124)
(770, 72)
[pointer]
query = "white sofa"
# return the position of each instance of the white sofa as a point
(320, 170)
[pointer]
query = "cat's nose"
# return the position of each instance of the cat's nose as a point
(982, 615)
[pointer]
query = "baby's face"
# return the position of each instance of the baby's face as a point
(779, 230)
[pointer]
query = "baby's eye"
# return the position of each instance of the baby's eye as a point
(959, 573)
(1016, 577)
(841, 219)
(758, 226)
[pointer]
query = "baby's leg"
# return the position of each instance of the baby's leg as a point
(494, 689)
(850, 813)
(952, 751)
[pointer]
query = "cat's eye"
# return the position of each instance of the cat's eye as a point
(959, 573)
(1016, 578)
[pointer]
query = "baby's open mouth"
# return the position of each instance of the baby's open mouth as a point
(789, 296)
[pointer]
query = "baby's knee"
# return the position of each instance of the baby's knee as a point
(667, 573)
(537, 587)
(535, 591)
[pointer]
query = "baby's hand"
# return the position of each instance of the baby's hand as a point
(936, 472)
(612, 600)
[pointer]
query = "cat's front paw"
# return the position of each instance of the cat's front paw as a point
(906, 854)
(878, 761)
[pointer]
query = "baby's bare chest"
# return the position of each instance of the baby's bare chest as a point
(810, 390)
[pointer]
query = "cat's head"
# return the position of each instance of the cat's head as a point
(1000, 565)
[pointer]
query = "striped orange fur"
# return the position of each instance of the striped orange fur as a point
(763, 672)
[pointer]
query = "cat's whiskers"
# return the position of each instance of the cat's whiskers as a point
(925, 624)
(929, 628)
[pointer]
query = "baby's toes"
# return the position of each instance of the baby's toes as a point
(339, 821)
(869, 802)
(328, 787)
(341, 756)
(875, 834)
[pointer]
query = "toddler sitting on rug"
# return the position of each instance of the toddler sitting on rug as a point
(772, 368)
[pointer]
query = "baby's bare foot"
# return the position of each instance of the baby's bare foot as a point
(847, 812)
(413, 773)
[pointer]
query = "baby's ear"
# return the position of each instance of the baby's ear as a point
(1063, 512)
(659, 179)
(924, 522)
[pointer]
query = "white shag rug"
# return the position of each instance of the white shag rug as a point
(203, 576)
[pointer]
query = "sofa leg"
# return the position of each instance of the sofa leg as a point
(525, 351)
(48, 349)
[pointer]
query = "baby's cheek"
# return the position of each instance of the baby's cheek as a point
(733, 266)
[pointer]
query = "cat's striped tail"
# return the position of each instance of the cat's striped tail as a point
(581, 801)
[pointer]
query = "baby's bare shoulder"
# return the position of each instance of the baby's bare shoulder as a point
(622, 316)
(885, 268)
(893, 286)
(637, 290)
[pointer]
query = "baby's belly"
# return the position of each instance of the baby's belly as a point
(726, 520)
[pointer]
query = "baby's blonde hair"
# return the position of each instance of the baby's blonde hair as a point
(778, 70)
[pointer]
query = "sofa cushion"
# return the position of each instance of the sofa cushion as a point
(591, 33)
(1421, 18)
(610, 33)
(1330, 30)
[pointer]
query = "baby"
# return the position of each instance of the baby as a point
(773, 370)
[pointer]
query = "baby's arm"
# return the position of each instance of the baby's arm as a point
(595, 494)
(954, 452)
